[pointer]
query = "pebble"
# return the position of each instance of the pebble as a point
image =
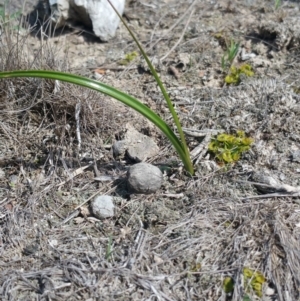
(119, 148)
(270, 291)
(144, 178)
(102, 206)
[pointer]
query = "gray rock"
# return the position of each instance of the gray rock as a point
(97, 14)
(296, 156)
(143, 148)
(13, 179)
(119, 148)
(139, 147)
(102, 206)
(144, 178)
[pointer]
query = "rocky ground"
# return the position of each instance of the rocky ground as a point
(231, 232)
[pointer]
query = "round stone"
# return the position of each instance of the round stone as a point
(144, 178)
(102, 206)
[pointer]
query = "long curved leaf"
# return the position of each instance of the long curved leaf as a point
(121, 96)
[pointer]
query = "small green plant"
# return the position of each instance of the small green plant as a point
(230, 53)
(228, 285)
(246, 298)
(179, 143)
(129, 57)
(234, 75)
(109, 249)
(229, 148)
(6, 18)
(277, 4)
(254, 280)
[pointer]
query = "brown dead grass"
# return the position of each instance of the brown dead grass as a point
(157, 247)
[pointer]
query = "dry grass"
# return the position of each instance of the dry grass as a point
(157, 247)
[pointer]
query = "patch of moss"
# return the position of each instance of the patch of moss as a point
(129, 57)
(234, 76)
(229, 148)
(228, 285)
(254, 280)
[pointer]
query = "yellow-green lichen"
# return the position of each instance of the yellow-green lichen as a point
(129, 57)
(228, 285)
(229, 148)
(254, 280)
(234, 76)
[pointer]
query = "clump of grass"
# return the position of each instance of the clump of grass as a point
(234, 75)
(230, 53)
(229, 148)
(277, 4)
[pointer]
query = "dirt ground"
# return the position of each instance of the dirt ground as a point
(231, 232)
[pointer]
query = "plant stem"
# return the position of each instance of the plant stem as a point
(163, 90)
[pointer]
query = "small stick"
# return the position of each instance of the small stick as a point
(77, 113)
(270, 195)
(75, 173)
(175, 72)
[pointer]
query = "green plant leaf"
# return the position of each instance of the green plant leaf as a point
(119, 95)
(236, 156)
(223, 64)
(222, 137)
(227, 157)
(246, 298)
(163, 90)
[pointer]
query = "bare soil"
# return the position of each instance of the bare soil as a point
(183, 242)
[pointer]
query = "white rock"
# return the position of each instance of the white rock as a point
(103, 206)
(270, 291)
(97, 14)
(144, 178)
(246, 56)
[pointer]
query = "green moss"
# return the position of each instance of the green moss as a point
(229, 148)
(129, 57)
(228, 285)
(234, 76)
(254, 279)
